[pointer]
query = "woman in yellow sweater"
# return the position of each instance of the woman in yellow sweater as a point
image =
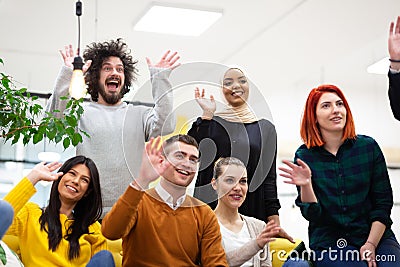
(66, 232)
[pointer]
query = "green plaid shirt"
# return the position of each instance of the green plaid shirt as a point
(353, 190)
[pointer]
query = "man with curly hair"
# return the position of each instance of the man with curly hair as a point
(117, 130)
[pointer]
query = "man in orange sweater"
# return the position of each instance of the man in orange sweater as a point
(163, 226)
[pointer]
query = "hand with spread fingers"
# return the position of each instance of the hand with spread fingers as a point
(298, 174)
(44, 172)
(267, 235)
(207, 105)
(68, 55)
(151, 167)
(168, 61)
(394, 40)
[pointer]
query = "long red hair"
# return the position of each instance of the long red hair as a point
(309, 130)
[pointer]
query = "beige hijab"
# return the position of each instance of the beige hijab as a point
(241, 114)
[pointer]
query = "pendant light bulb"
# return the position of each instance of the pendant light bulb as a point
(77, 87)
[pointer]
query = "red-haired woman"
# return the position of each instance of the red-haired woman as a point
(344, 187)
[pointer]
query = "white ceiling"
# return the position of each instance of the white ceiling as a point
(286, 47)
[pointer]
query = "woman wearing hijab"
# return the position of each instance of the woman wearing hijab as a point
(237, 132)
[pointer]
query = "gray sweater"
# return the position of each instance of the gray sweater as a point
(261, 257)
(118, 133)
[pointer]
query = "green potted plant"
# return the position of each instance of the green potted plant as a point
(21, 116)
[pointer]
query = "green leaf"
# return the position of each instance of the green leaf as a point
(79, 112)
(69, 104)
(26, 139)
(59, 126)
(66, 143)
(42, 129)
(37, 137)
(5, 81)
(36, 109)
(51, 133)
(76, 139)
(16, 137)
(70, 131)
(85, 133)
(58, 138)
(72, 121)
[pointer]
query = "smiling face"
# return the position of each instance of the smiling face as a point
(182, 162)
(111, 81)
(74, 184)
(235, 87)
(331, 113)
(231, 186)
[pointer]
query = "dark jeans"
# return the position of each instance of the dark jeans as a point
(296, 263)
(387, 255)
(102, 258)
(6, 218)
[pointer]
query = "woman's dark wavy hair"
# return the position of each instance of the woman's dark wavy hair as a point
(86, 212)
(98, 52)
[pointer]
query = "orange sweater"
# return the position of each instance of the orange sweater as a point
(155, 235)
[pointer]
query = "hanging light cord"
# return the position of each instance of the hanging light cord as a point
(78, 14)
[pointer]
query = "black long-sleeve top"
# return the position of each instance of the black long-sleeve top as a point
(394, 94)
(255, 144)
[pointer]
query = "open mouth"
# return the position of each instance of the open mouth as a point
(113, 83)
(236, 196)
(186, 173)
(237, 93)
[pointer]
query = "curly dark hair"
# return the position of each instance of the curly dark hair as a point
(98, 52)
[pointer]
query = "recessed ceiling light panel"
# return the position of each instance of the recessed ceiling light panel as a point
(177, 20)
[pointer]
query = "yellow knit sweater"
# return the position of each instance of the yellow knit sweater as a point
(34, 243)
